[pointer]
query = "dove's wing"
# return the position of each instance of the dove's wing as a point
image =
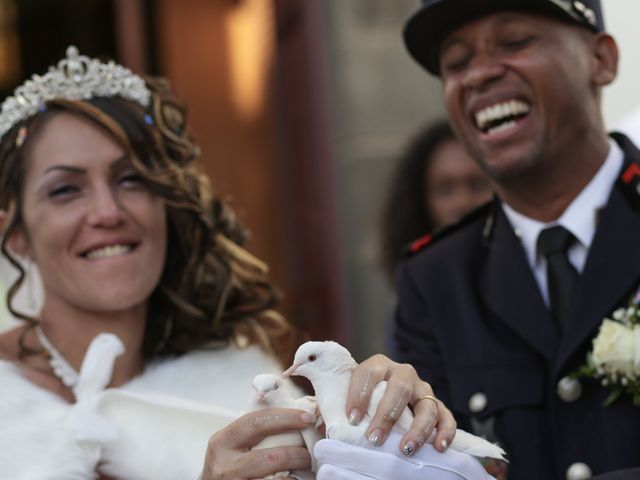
(406, 417)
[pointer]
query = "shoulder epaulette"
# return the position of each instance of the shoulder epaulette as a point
(423, 242)
(420, 243)
(629, 180)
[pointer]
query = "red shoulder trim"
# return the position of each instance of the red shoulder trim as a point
(420, 243)
(631, 172)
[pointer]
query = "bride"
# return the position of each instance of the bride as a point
(155, 318)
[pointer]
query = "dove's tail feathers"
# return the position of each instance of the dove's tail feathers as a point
(476, 446)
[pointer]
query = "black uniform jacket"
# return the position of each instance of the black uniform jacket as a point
(471, 319)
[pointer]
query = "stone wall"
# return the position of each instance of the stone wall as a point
(380, 97)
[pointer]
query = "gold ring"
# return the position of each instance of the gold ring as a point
(430, 397)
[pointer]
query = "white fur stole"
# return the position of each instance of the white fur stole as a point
(163, 419)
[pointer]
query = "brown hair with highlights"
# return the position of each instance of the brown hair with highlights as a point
(212, 291)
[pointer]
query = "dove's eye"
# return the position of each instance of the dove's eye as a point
(276, 386)
(312, 358)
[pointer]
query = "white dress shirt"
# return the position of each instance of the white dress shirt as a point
(580, 218)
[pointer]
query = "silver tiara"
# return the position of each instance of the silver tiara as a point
(76, 77)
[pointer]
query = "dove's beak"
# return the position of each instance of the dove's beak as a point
(260, 395)
(290, 371)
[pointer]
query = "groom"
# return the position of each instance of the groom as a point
(498, 311)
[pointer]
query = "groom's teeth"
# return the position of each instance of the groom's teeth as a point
(496, 114)
(502, 126)
(110, 251)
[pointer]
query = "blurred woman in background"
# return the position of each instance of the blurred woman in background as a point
(435, 183)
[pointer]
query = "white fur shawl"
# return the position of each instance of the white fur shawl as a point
(155, 427)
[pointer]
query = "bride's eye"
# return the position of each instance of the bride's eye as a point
(131, 178)
(63, 191)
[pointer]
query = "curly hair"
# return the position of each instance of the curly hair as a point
(404, 215)
(212, 291)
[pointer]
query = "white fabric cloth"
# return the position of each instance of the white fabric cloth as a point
(580, 218)
(343, 461)
(155, 427)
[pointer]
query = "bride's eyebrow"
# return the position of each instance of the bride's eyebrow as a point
(123, 161)
(65, 168)
(79, 170)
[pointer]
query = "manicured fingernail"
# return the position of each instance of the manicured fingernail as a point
(354, 417)
(376, 437)
(408, 449)
(307, 417)
(444, 444)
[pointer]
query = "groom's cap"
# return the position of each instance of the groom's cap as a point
(435, 19)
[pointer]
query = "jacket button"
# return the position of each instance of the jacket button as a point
(569, 389)
(578, 471)
(477, 402)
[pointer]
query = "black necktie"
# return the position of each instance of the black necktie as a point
(553, 244)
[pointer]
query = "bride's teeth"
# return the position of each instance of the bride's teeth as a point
(110, 251)
(500, 111)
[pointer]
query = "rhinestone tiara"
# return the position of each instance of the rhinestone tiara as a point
(76, 77)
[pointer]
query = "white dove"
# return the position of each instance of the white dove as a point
(269, 393)
(328, 366)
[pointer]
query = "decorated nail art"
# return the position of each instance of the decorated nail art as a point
(376, 437)
(408, 449)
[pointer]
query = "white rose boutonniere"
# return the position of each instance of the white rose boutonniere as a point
(616, 349)
(615, 357)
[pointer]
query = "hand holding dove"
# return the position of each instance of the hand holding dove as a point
(329, 367)
(230, 454)
(269, 392)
